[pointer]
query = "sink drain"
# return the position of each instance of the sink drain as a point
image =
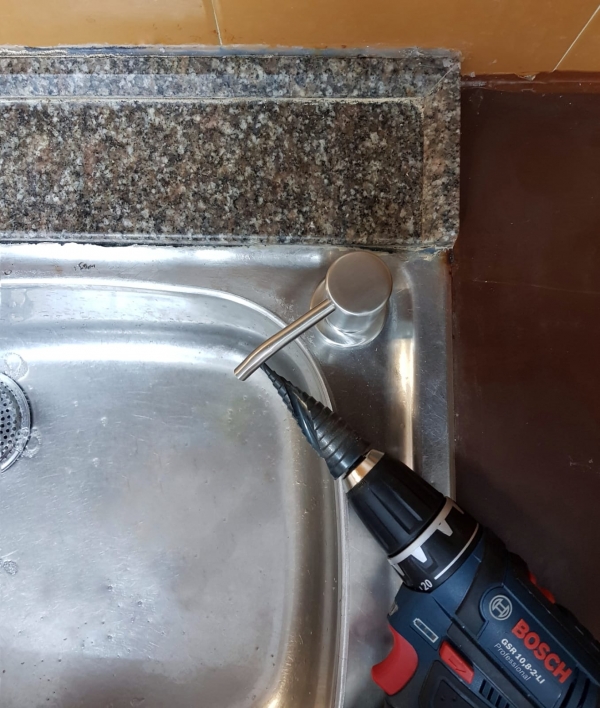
(15, 422)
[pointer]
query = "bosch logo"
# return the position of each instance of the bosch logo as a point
(501, 607)
(542, 651)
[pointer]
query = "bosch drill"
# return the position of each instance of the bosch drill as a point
(471, 627)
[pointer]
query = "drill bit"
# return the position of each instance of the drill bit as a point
(339, 445)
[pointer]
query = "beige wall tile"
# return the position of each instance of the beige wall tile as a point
(52, 22)
(584, 55)
(495, 36)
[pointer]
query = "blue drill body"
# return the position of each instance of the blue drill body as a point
(488, 636)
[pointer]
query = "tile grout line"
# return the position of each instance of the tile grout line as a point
(574, 42)
(214, 12)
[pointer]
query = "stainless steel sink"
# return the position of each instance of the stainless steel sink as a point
(168, 539)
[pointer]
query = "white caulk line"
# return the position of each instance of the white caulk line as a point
(574, 42)
(214, 10)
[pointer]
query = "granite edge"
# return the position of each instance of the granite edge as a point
(8, 238)
(441, 162)
(405, 74)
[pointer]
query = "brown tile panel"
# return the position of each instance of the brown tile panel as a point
(543, 83)
(527, 332)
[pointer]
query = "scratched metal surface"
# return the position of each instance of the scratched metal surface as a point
(169, 539)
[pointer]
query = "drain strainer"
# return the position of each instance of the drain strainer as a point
(15, 422)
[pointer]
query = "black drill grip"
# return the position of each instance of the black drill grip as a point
(395, 504)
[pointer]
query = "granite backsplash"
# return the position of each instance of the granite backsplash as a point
(130, 146)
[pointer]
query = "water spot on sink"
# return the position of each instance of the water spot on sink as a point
(20, 305)
(34, 444)
(14, 365)
(10, 567)
(137, 702)
(103, 421)
(96, 462)
(18, 298)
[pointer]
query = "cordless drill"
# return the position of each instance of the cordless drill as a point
(471, 626)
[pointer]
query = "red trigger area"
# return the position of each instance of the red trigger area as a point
(457, 663)
(545, 592)
(397, 669)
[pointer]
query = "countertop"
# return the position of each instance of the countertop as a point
(115, 145)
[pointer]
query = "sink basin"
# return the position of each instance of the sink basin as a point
(168, 538)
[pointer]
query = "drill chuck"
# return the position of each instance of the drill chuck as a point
(425, 535)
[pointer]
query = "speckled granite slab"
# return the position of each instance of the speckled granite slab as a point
(147, 146)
